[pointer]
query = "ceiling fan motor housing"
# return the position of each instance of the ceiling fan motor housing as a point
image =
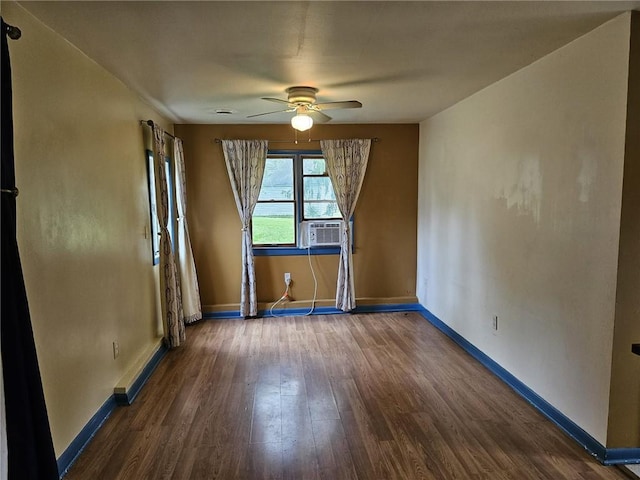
(302, 94)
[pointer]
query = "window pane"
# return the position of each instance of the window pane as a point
(172, 212)
(313, 166)
(273, 223)
(155, 223)
(318, 188)
(277, 183)
(314, 210)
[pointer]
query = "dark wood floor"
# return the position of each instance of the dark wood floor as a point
(379, 396)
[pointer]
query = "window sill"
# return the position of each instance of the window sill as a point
(292, 251)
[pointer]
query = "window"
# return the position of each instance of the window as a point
(173, 218)
(153, 210)
(319, 200)
(155, 222)
(295, 188)
(273, 221)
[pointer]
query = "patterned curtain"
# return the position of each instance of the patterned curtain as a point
(346, 164)
(245, 161)
(192, 309)
(170, 298)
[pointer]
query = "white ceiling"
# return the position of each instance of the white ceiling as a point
(405, 61)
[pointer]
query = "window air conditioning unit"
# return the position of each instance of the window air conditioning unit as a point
(322, 234)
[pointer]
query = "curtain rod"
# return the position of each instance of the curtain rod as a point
(151, 123)
(219, 140)
(12, 32)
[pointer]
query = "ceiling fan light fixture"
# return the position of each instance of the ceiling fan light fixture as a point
(302, 122)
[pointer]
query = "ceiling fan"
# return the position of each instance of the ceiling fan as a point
(302, 100)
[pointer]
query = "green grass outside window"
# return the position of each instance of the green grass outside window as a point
(273, 230)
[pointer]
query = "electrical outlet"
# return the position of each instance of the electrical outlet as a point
(287, 278)
(116, 349)
(495, 323)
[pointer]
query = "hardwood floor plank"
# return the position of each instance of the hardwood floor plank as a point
(296, 418)
(339, 397)
(332, 450)
(264, 460)
(363, 457)
(322, 404)
(299, 461)
(266, 424)
(215, 462)
(291, 370)
(183, 465)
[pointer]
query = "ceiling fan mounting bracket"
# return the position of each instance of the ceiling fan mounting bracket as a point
(302, 95)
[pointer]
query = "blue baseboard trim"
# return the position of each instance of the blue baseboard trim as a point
(607, 456)
(280, 312)
(394, 307)
(621, 456)
(84, 437)
(131, 394)
(73, 451)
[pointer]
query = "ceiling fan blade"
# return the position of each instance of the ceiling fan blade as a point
(269, 113)
(277, 100)
(334, 105)
(318, 117)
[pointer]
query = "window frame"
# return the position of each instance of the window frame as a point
(296, 249)
(294, 201)
(302, 176)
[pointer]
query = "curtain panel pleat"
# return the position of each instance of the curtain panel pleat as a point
(170, 296)
(346, 162)
(192, 308)
(245, 160)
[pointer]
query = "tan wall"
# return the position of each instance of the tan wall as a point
(385, 219)
(519, 216)
(624, 414)
(82, 214)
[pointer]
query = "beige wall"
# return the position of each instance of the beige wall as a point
(624, 414)
(82, 214)
(519, 216)
(385, 219)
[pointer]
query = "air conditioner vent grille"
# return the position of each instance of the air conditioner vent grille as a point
(324, 233)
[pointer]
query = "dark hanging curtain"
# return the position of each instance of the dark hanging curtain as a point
(30, 449)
